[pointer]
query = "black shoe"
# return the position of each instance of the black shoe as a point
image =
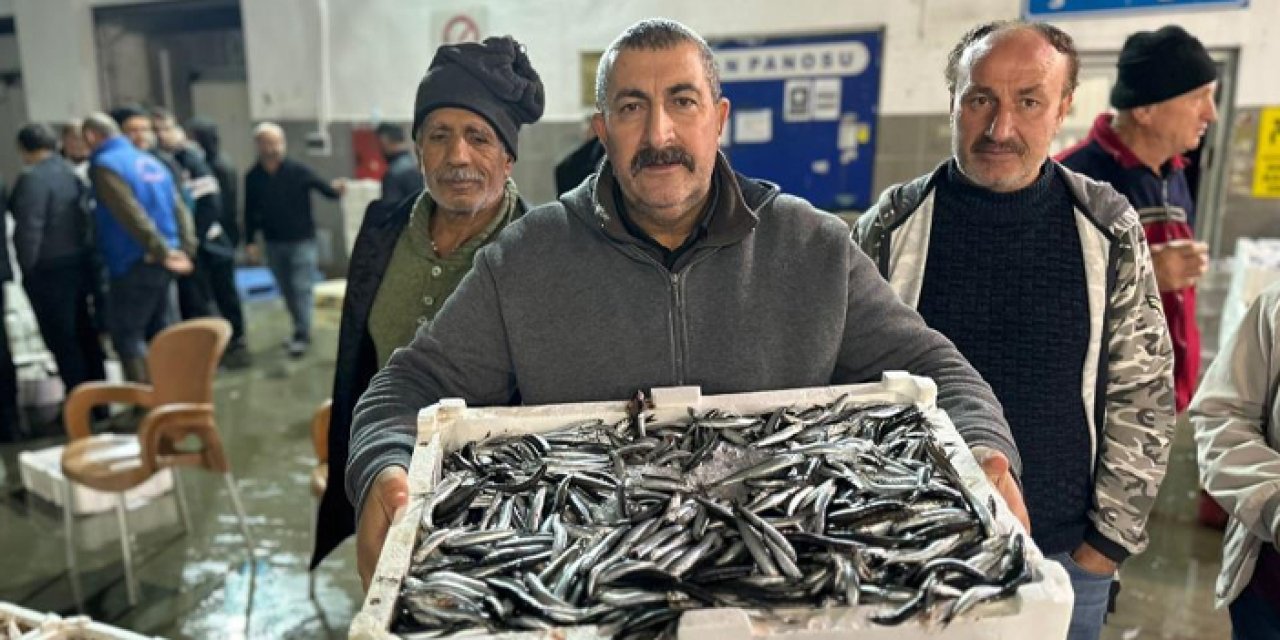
(237, 357)
(298, 347)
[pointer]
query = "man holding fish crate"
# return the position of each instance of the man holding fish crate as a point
(1042, 278)
(666, 268)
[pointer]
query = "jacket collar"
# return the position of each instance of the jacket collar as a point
(734, 218)
(1110, 141)
(110, 144)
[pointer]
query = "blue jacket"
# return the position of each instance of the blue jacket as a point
(153, 188)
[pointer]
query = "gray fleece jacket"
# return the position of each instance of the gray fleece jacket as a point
(566, 306)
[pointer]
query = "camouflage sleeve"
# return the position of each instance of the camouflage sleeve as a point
(1134, 447)
(868, 232)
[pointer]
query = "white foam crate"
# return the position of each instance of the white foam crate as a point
(53, 627)
(1040, 609)
(41, 472)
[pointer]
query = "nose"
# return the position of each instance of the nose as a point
(1001, 125)
(1212, 111)
(458, 152)
(659, 127)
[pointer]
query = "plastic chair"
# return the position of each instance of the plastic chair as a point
(182, 360)
(320, 474)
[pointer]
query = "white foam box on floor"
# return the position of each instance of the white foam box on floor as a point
(54, 627)
(1041, 609)
(41, 472)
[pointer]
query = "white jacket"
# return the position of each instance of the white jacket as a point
(1235, 414)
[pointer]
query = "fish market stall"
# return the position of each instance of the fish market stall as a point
(833, 512)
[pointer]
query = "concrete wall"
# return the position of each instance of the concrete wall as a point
(383, 46)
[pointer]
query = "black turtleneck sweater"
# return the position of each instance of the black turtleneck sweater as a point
(1005, 281)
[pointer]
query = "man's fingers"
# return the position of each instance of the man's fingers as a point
(391, 497)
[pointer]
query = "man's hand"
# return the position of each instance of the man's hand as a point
(253, 253)
(178, 262)
(339, 185)
(1092, 560)
(996, 467)
(1179, 263)
(383, 505)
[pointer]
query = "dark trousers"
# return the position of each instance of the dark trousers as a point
(1253, 618)
(220, 277)
(140, 307)
(8, 382)
(60, 297)
(194, 298)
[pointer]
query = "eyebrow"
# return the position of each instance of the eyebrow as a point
(982, 89)
(674, 89)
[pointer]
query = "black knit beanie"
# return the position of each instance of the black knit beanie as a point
(1157, 65)
(495, 80)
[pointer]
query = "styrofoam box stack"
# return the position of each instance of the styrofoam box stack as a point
(42, 475)
(54, 627)
(1040, 609)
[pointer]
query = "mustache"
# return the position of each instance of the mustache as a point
(649, 156)
(459, 174)
(988, 145)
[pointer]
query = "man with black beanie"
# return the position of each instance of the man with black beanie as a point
(1164, 100)
(411, 254)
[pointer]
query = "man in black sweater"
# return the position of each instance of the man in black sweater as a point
(1042, 278)
(277, 202)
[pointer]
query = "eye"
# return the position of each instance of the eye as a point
(629, 107)
(685, 102)
(979, 101)
(1030, 103)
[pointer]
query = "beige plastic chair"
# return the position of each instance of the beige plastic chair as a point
(182, 360)
(320, 474)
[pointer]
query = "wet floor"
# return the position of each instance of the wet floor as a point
(204, 584)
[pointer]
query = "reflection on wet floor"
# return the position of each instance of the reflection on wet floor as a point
(203, 584)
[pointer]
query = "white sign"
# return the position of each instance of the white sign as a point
(753, 126)
(794, 61)
(826, 99)
(797, 100)
(454, 27)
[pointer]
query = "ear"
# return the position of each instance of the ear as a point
(723, 108)
(597, 126)
(508, 165)
(1065, 107)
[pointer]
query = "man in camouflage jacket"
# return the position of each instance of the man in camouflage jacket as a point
(1043, 280)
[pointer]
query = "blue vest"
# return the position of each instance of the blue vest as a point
(153, 188)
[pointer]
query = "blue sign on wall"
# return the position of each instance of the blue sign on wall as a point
(1067, 8)
(803, 113)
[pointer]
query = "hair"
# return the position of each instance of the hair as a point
(655, 34)
(1055, 36)
(128, 111)
(392, 132)
(205, 133)
(101, 124)
(36, 137)
(161, 113)
(267, 127)
(70, 127)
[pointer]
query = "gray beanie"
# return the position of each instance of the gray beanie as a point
(495, 80)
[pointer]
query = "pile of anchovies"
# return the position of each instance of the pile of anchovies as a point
(625, 526)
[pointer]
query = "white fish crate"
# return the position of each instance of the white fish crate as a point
(1040, 608)
(41, 472)
(50, 626)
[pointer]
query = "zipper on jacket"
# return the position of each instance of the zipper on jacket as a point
(677, 327)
